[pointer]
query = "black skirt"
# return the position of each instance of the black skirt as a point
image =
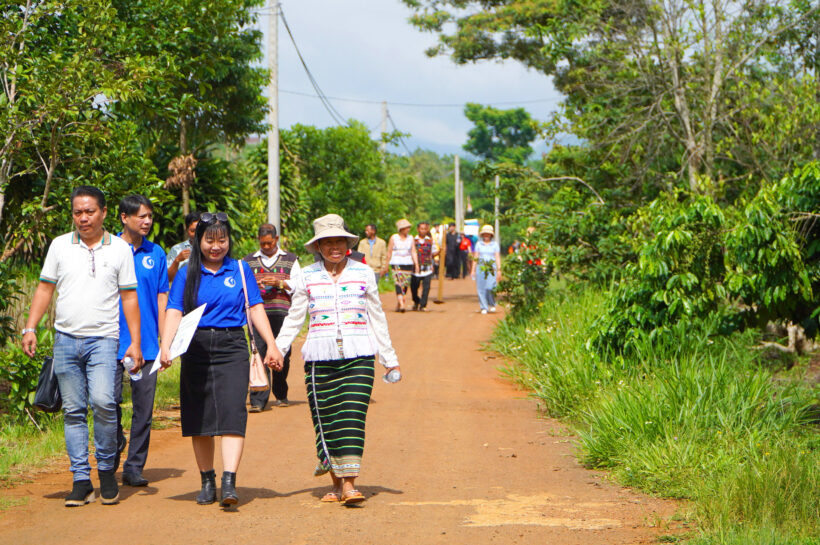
(213, 384)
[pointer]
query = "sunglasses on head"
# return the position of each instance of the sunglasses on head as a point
(207, 217)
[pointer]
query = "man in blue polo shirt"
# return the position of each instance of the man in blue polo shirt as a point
(137, 217)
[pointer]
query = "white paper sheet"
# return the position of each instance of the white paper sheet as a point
(185, 332)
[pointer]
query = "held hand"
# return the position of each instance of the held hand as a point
(274, 358)
(135, 354)
(183, 255)
(30, 344)
(165, 359)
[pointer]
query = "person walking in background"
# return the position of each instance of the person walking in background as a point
(347, 327)
(401, 255)
(426, 249)
(486, 268)
(273, 268)
(213, 379)
(452, 258)
(375, 251)
(91, 271)
(465, 250)
(137, 218)
(179, 253)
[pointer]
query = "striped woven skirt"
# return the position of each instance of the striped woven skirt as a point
(338, 392)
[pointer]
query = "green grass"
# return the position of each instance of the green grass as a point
(24, 449)
(700, 417)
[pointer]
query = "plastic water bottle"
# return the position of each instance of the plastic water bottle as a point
(128, 363)
(394, 375)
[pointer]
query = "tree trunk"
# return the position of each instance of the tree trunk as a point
(183, 151)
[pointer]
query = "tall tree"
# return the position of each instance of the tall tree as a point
(645, 81)
(500, 135)
(214, 90)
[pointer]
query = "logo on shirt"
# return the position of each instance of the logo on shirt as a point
(148, 262)
(230, 282)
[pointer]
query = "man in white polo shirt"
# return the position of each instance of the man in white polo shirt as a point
(91, 270)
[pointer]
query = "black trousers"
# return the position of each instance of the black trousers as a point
(464, 257)
(142, 399)
(424, 282)
(277, 380)
(452, 264)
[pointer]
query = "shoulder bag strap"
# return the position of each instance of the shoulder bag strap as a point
(247, 307)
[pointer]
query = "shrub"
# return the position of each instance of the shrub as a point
(678, 276)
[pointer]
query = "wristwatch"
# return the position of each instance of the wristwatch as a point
(28, 330)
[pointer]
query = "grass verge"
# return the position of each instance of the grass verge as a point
(701, 417)
(24, 449)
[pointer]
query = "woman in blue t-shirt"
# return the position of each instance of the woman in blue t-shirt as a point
(486, 269)
(213, 379)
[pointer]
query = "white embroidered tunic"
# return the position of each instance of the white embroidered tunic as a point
(346, 317)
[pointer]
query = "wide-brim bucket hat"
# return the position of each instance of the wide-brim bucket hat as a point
(487, 230)
(330, 225)
(402, 224)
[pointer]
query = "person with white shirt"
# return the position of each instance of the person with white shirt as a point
(346, 329)
(91, 271)
(273, 268)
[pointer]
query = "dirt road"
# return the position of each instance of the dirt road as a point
(454, 454)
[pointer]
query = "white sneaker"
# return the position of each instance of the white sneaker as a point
(492, 309)
(483, 311)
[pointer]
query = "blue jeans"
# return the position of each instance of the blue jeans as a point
(485, 284)
(85, 369)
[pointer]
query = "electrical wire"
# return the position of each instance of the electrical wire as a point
(334, 113)
(401, 139)
(417, 105)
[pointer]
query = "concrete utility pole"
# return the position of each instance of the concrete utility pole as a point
(497, 231)
(273, 118)
(459, 210)
(383, 145)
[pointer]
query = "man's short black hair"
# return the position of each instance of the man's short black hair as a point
(451, 224)
(423, 223)
(266, 229)
(130, 205)
(192, 217)
(373, 226)
(88, 191)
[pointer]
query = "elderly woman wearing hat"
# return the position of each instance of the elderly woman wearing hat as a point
(402, 257)
(347, 328)
(486, 269)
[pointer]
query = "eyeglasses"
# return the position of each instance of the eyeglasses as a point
(207, 217)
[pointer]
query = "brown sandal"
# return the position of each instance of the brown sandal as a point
(331, 497)
(352, 496)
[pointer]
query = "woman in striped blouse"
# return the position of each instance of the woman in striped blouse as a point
(347, 328)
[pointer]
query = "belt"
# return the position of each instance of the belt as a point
(238, 328)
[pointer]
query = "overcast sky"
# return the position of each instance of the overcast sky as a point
(366, 50)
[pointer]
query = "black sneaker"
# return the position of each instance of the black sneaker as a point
(109, 491)
(133, 479)
(81, 494)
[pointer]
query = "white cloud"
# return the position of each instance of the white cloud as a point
(366, 49)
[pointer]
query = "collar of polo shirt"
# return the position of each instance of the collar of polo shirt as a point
(106, 238)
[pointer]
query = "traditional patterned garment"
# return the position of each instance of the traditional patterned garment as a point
(339, 395)
(424, 251)
(274, 300)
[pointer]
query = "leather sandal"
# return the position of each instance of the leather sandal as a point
(331, 497)
(352, 496)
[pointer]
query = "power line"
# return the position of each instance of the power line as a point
(337, 117)
(401, 139)
(416, 105)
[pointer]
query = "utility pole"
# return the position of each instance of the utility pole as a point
(459, 214)
(273, 118)
(383, 145)
(497, 224)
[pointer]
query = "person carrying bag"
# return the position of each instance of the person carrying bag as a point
(215, 374)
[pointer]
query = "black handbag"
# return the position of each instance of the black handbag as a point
(47, 397)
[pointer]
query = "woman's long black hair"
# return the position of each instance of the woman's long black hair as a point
(195, 261)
